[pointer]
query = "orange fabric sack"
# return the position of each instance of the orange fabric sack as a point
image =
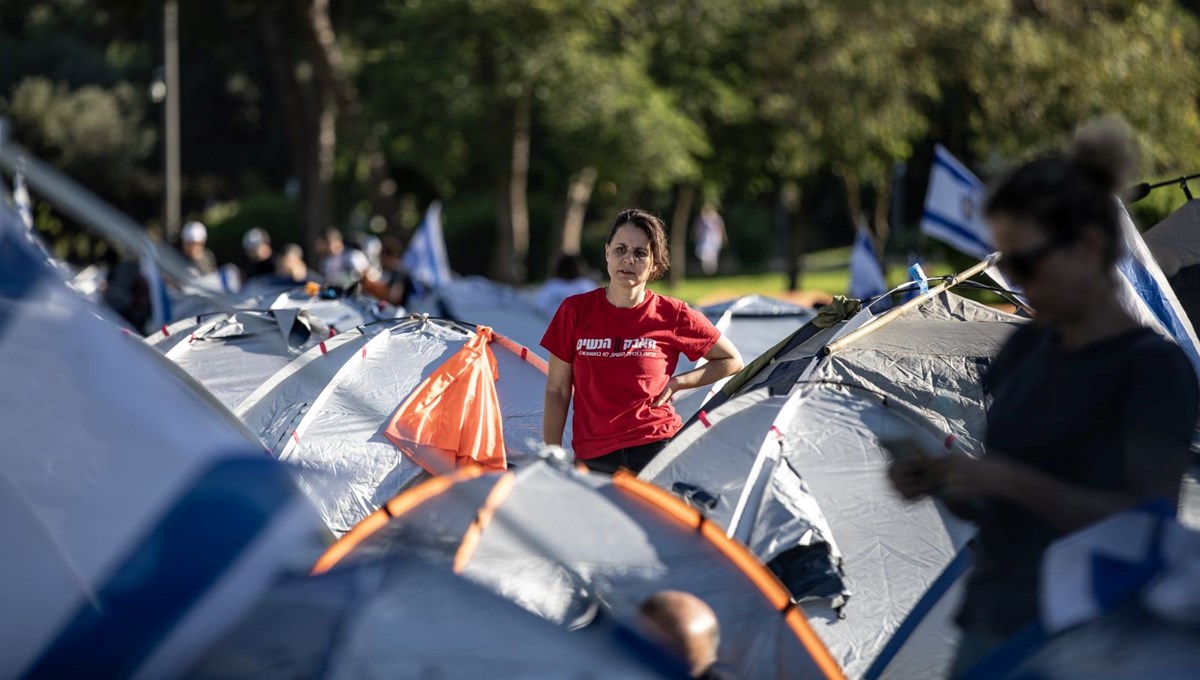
(452, 420)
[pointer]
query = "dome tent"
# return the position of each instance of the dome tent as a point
(138, 514)
(559, 541)
(327, 410)
(787, 459)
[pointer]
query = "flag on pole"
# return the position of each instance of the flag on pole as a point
(866, 275)
(21, 200)
(425, 258)
(954, 206)
(1146, 294)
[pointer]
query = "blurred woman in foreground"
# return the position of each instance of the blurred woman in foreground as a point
(1092, 413)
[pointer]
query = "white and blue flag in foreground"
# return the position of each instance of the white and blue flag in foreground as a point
(954, 206)
(425, 258)
(866, 275)
(1145, 293)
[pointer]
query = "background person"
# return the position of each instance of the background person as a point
(256, 246)
(710, 237)
(193, 238)
(342, 266)
(1091, 414)
(613, 352)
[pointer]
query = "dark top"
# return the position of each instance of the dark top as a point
(1117, 415)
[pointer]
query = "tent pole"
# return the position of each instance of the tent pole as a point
(894, 314)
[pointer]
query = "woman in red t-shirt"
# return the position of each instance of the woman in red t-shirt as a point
(614, 350)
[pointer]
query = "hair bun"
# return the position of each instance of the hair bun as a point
(1105, 151)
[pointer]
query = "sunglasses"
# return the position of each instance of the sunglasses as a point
(1022, 265)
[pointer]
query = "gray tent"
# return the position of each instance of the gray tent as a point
(562, 543)
(138, 517)
(232, 355)
(754, 324)
(178, 331)
(326, 411)
(787, 459)
(340, 312)
(405, 618)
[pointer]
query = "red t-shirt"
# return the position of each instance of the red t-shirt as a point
(621, 360)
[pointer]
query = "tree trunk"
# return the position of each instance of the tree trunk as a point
(512, 247)
(518, 185)
(330, 68)
(679, 228)
(579, 195)
(309, 125)
(787, 212)
(853, 197)
(883, 202)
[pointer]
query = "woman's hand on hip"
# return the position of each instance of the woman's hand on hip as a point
(668, 392)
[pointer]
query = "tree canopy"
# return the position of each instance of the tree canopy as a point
(534, 121)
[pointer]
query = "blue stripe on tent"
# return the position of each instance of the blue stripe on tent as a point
(1152, 295)
(21, 266)
(942, 159)
(939, 588)
(152, 590)
(957, 229)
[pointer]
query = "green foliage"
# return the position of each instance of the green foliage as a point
(227, 223)
(734, 98)
(91, 131)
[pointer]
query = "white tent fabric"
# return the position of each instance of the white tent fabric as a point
(232, 355)
(754, 324)
(326, 411)
(791, 464)
(176, 332)
(112, 466)
(560, 541)
(405, 618)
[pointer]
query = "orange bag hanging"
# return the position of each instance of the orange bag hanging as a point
(452, 419)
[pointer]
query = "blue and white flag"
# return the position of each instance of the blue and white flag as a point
(866, 275)
(954, 206)
(21, 200)
(1146, 294)
(425, 258)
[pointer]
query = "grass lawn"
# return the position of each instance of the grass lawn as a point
(825, 271)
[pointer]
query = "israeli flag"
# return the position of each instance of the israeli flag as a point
(954, 207)
(866, 276)
(1146, 295)
(425, 258)
(21, 200)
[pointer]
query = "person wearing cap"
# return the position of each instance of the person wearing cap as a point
(256, 244)
(192, 240)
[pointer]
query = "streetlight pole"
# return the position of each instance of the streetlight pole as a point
(171, 78)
